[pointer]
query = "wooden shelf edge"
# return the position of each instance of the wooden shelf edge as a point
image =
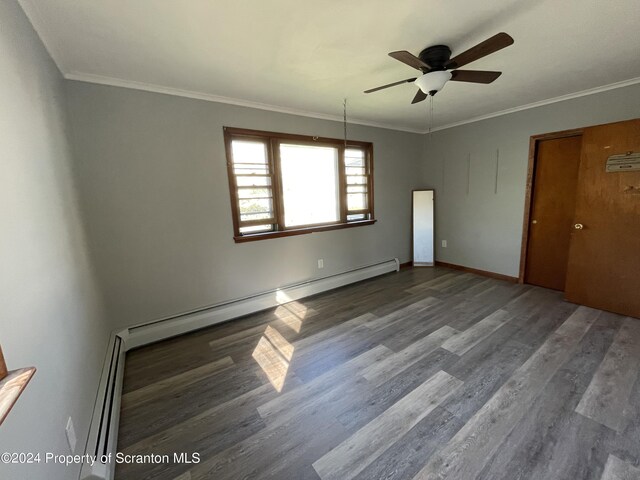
(11, 387)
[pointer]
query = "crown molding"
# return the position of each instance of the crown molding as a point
(116, 82)
(48, 39)
(149, 87)
(541, 103)
(55, 50)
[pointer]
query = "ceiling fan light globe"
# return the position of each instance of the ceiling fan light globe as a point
(433, 82)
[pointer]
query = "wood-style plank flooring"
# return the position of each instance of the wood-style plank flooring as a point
(423, 374)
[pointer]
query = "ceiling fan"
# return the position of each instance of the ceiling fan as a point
(438, 67)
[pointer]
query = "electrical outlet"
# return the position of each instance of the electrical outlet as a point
(71, 435)
(320, 263)
(444, 244)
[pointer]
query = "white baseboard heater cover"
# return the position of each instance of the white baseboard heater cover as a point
(103, 433)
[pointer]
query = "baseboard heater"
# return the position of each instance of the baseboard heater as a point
(103, 433)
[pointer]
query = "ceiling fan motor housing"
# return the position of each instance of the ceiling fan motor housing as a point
(436, 56)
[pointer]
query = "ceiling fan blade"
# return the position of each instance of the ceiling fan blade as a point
(409, 59)
(474, 76)
(408, 80)
(493, 44)
(420, 96)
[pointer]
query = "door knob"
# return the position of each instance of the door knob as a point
(578, 226)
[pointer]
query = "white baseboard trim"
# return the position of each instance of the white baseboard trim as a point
(103, 433)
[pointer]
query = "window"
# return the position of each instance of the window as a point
(283, 184)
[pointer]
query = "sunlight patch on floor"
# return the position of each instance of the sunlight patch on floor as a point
(292, 315)
(278, 341)
(273, 354)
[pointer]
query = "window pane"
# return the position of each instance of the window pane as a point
(356, 179)
(353, 162)
(356, 201)
(249, 157)
(354, 153)
(248, 151)
(254, 192)
(249, 217)
(353, 158)
(250, 169)
(252, 180)
(309, 184)
(255, 206)
(256, 228)
(355, 171)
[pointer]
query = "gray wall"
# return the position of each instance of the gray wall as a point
(483, 229)
(150, 173)
(153, 182)
(50, 313)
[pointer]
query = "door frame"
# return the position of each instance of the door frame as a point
(528, 198)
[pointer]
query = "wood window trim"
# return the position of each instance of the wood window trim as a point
(271, 141)
(301, 231)
(12, 384)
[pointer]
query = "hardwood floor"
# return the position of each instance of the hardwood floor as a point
(423, 374)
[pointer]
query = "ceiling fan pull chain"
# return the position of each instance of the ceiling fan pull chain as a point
(430, 113)
(345, 122)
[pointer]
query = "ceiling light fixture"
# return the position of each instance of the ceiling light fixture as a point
(432, 82)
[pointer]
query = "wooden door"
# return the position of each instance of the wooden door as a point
(604, 260)
(552, 211)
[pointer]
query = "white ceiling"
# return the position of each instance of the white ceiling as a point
(307, 55)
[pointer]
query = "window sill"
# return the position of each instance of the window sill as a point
(11, 386)
(301, 231)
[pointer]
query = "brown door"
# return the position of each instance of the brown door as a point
(604, 260)
(552, 211)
